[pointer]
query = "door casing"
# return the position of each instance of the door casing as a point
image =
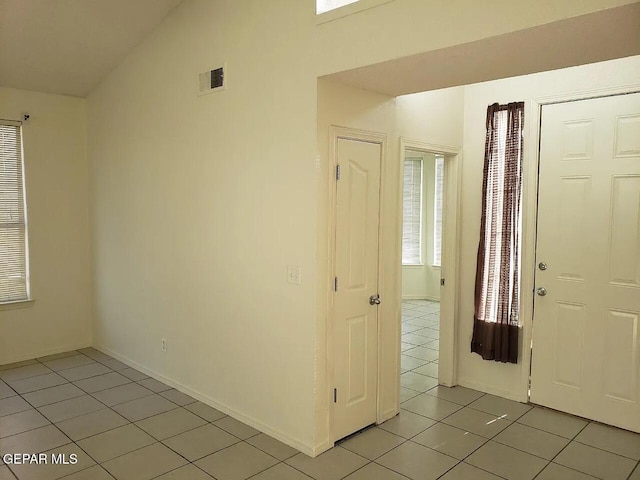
(448, 359)
(389, 281)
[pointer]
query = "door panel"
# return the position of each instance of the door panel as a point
(586, 338)
(357, 386)
(569, 327)
(621, 361)
(355, 320)
(625, 241)
(573, 225)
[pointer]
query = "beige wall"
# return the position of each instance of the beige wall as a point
(434, 118)
(58, 226)
(200, 203)
(502, 379)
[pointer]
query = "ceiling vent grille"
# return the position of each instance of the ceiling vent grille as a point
(212, 81)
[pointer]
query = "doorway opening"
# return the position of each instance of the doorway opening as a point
(429, 218)
(422, 202)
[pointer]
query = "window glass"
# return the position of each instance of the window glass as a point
(437, 216)
(323, 6)
(14, 283)
(412, 212)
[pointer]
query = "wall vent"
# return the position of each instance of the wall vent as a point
(212, 81)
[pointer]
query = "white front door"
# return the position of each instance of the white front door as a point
(356, 269)
(586, 329)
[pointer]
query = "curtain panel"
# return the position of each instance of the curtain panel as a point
(497, 294)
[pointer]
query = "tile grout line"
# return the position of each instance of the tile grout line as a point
(514, 421)
(571, 440)
(106, 407)
(462, 406)
(563, 449)
(492, 439)
(151, 444)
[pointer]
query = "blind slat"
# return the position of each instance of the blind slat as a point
(437, 231)
(14, 283)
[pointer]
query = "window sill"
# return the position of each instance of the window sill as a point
(417, 265)
(17, 304)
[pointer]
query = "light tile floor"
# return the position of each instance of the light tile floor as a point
(126, 426)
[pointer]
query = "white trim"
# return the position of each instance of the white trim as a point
(350, 9)
(335, 133)
(14, 304)
(447, 364)
(226, 409)
(44, 353)
(490, 389)
(420, 297)
(530, 211)
(12, 123)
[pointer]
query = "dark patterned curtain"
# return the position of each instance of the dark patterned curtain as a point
(497, 295)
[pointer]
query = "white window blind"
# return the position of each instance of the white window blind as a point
(14, 285)
(437, 217)
(412, 212)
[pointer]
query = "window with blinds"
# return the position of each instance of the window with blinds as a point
(412, 212)
(437, 216)
(14, 275)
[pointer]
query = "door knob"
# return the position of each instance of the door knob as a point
(541, 291)
(374, 299)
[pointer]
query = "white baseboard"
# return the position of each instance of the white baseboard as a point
(44, 353)
(311, 451)
(318, 449)
(420, 297)
(498, 392)
(388, 415)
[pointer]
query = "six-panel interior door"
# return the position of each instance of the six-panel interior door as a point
(586, 332)
(356, 268)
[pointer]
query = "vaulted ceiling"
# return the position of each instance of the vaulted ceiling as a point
(69, 46)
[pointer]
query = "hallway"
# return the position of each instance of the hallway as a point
(419, 361)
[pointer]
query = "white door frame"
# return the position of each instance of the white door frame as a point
(530, 211)
(447, 363)
(336, 133)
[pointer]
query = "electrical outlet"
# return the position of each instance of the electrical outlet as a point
(164, 345)
(294, 274)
